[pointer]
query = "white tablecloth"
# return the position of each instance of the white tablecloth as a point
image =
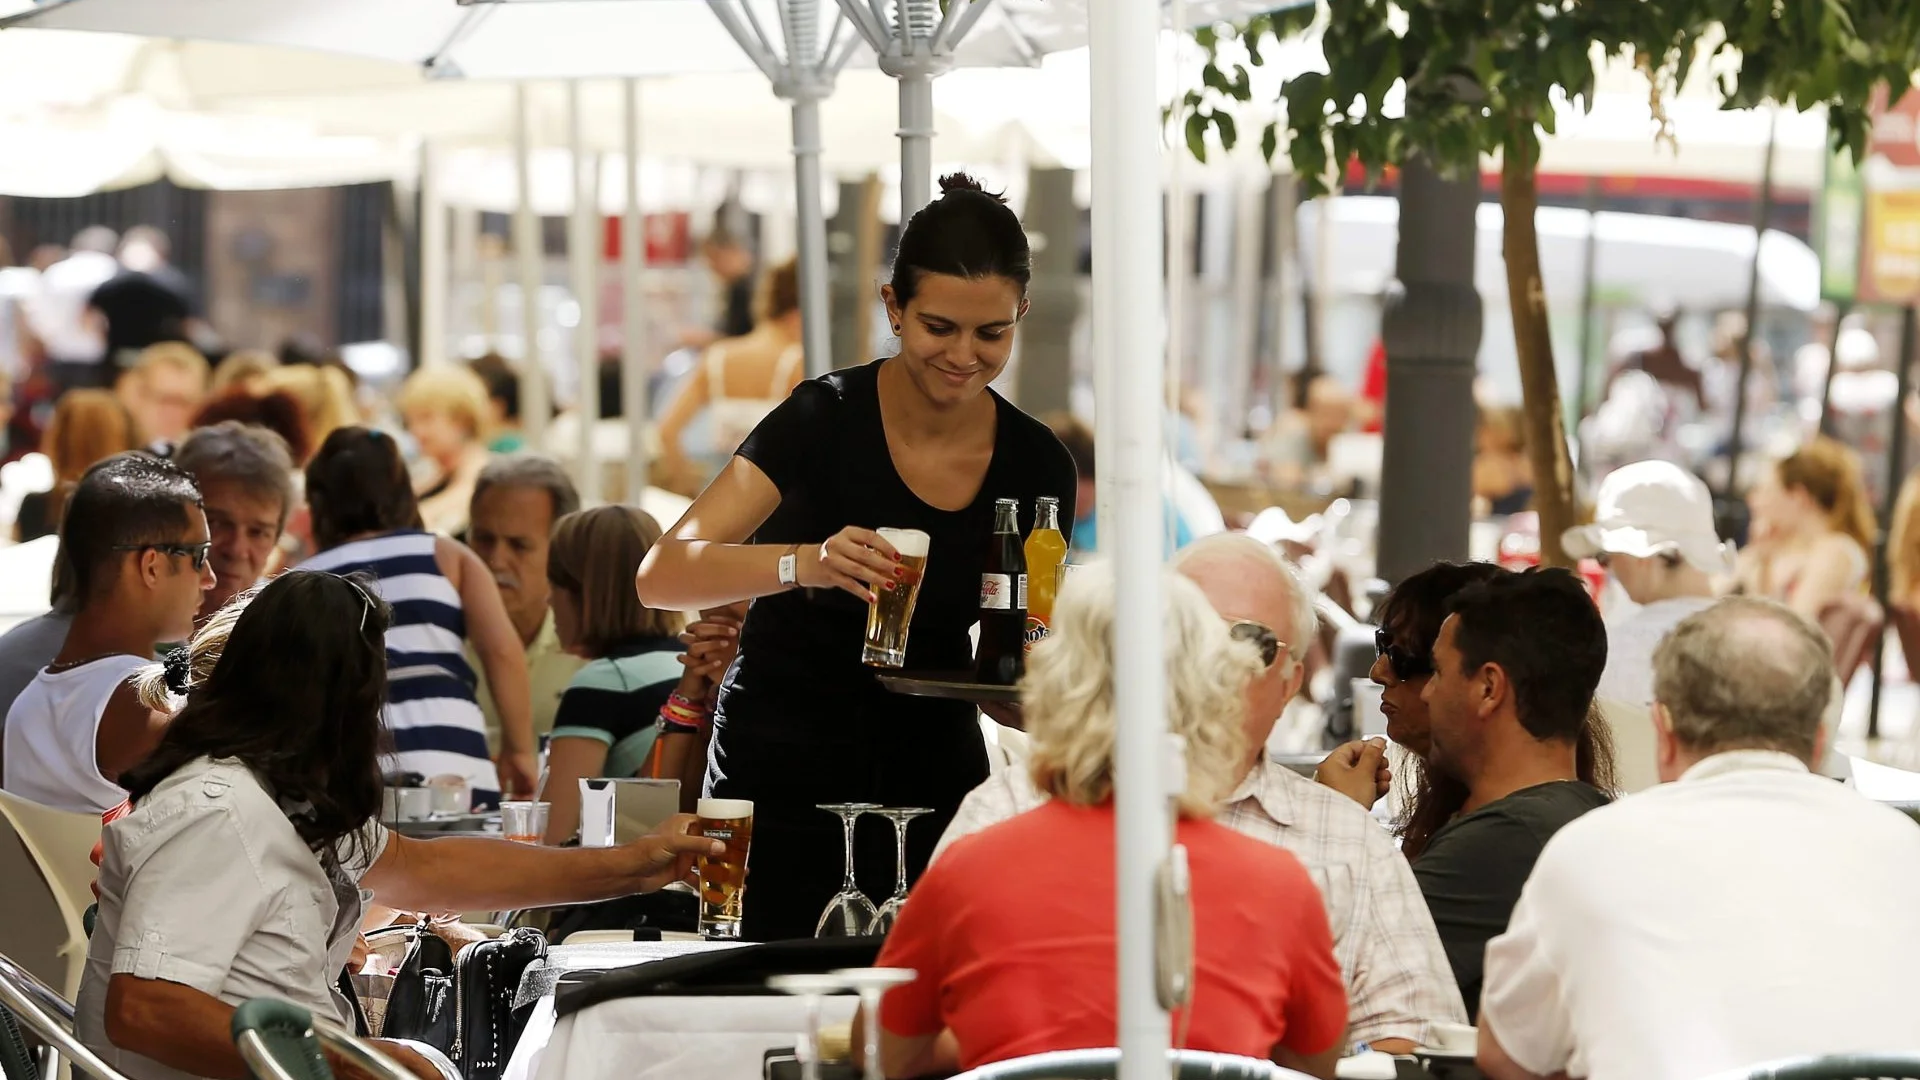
(639, 1038)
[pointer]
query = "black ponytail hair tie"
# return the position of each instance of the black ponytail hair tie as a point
(179, 667)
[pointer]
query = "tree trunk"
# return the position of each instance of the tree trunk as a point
(1527, 297)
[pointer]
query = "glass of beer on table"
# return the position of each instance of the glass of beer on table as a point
(891, 612)
(723, 877)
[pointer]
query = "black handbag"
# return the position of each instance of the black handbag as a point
(486, 981)
(421, 1004)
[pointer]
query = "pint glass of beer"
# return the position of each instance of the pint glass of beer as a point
(723, 877)
(892, 609)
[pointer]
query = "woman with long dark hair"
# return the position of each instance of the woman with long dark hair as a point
(238, 872)
(366, 520)
(914, 441)
(1409, 625)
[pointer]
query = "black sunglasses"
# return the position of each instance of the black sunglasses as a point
(197, 552)
(1260, 637)
(1404, 663)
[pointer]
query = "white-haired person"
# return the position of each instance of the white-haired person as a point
(1023, 963)
(1399, 984)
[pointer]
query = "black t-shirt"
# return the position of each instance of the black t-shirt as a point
(1473, 869)
(144, 308)
(799, 675)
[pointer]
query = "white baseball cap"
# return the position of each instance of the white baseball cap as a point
(1651, 507)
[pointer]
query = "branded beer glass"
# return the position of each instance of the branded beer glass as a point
(891, 612)
(723, 877)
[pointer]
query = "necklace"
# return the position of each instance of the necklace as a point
(55, 669)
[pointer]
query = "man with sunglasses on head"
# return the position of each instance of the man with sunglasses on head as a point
(137, 544)
(1399, 983)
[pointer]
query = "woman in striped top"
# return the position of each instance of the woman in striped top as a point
(365, 518)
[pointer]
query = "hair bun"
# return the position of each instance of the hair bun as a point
(960, 181)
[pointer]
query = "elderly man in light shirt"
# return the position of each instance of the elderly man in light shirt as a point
(1746, 910)
(1398, 981)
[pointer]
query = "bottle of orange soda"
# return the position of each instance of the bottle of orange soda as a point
(1046, 549)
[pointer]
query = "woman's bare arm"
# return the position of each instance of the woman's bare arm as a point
(569, 760)
(704, 563)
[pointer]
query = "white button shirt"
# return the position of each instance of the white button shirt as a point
(1398, 980)
(1750, 911)
(205, 883)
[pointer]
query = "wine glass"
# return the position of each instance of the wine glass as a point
(849, 913)
(889, 911)
(870, 983)
(811, 987)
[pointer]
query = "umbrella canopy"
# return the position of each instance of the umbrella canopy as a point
(553, 39)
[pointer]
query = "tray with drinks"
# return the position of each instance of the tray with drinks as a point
(958, 685)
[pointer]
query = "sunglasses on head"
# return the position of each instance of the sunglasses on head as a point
(197, 552)
(1404, 663)
(1260, 637)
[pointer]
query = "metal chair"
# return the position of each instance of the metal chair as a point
(48, 1017)
(1102, 1063)
(276, 1040)
(1891, 1066)
(282, 1041)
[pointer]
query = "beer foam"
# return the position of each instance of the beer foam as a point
(910, 543)
(724, 809)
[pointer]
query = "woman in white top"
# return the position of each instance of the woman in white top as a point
(738, 382)
(1812, 529)
(239, 871)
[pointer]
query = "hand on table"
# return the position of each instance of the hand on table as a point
(667, 855)
(1358, 770)
(855, 559)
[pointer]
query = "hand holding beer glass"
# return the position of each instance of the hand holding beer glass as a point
(890, 612)
(723, 875)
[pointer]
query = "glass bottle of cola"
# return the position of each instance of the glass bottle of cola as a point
(1001, 657)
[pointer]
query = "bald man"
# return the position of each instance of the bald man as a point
(1398, 980)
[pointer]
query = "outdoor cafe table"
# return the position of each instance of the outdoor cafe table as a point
(643, 1037)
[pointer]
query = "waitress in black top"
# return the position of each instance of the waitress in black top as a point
(914, 441)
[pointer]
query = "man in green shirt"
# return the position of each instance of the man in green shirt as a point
(515, 503)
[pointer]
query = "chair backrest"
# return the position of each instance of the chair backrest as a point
(1853, 624)
(276, 1040)
(1894, 1066)
(16, 1057)
(1103, 1063)
(60, 845)
(49, 1018)
(1635, 759)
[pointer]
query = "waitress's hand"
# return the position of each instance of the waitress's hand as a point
(855, 559)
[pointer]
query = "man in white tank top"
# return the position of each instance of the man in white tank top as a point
(137, 542)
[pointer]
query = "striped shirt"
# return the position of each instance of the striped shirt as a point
(431, 708)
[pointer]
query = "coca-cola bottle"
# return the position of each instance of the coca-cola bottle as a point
(1001, 658)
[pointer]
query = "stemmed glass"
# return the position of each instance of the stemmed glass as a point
(889, 911)
(870, 983)
(849, 913)
(810, 987)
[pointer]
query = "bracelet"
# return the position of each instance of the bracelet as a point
(681, 701)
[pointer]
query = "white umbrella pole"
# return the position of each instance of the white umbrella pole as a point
(536, 403)
(433, 260)
(916, 142)
(815, 329)
(633, 256)
(1127, 298)
(583, 250)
